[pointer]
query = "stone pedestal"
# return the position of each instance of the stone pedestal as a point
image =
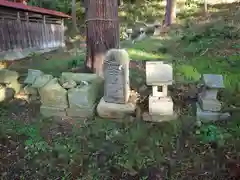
(160, 105)
(208, 116)
(208, 106)
(114, 110)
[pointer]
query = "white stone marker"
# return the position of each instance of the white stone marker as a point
(159, 75)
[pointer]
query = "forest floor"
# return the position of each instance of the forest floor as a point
(33, 147)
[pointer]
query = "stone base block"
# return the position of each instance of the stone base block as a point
(210, 104)
(210, 93)
(47, 111)
(158, 118)
(114, 111)
(208, 116)
(160, 106)
(81, 112)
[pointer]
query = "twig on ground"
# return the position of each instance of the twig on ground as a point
(204, 52)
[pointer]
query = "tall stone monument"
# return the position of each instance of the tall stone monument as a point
(157, 28)
(159, 75)
(115, 102)
(116, 76)
(208, 106)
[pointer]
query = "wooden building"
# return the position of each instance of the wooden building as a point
(25, 29)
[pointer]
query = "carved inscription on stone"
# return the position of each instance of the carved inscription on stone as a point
(116, 75)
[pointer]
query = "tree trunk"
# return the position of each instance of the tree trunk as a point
(74, 16)
(170, 14)
(102, 32)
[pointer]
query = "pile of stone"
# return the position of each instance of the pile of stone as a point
(73, 94)
(117, 102)
(9, 84)
(159, 75)
(208, 106)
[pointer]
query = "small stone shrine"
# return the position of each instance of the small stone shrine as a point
(129, 34)
(208, 106)
(159, 75)
(115, 102)
(142, 34)
(157, 28)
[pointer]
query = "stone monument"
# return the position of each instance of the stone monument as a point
(116, 76)
(129, 34)
(142, 35)
(157, 28)
(208, 106)
(115, 102)
(159, 75)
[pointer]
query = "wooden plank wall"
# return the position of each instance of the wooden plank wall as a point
(22, 30)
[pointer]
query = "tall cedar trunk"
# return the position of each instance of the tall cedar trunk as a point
(170, 13)
(102, 32)
(74, 16)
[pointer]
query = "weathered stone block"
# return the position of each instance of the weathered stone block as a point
(113, 110)
(158, 73)
(116, 76)
(15, 85)
(7, 76)
(213, 80)
(158, 118)
(79, 77)
(53, 95)
(47, 111)
(42, 80)
(82, 112)
(208, 116)
(28, 89)
(160, 105)
(6, 94)
(82, 96)
(210, 104)
(209, 93)
(32, 75)
(68, 84)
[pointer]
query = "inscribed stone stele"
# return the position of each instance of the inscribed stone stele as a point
(116, 76)
(53, 94)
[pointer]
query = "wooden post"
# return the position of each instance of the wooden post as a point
(62, 32)
(4, 44)
(28, 27)
(19, 34)
(44, 32)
